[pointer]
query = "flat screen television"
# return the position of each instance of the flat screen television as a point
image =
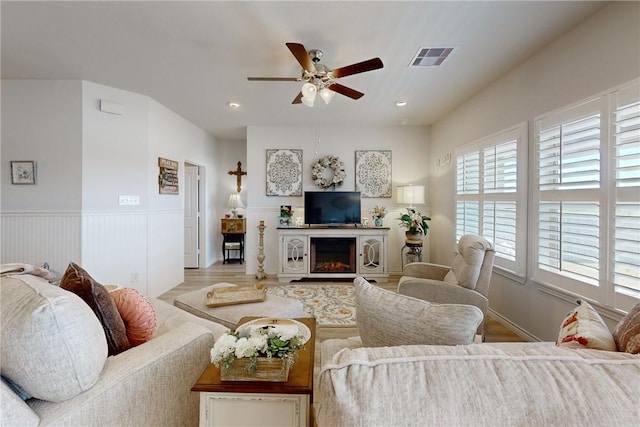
(332, 207)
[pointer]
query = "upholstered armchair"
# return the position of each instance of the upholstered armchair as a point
(466, 281)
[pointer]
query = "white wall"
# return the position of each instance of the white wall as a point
(600, 53)
(107, 155)
(42, 121)
(410, 160)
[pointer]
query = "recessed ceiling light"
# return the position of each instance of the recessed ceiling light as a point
(404, 122)
(401, 103)
(234, 105)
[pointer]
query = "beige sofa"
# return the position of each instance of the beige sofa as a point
(510, 384)
(149, 384)
(443, 379)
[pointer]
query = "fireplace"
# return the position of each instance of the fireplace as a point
(333, 255)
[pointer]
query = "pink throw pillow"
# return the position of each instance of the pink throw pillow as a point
(138, 314)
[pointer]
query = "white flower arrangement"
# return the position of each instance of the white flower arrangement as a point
(269, 341)
(319, 172)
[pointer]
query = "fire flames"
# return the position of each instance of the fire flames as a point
(332, 266)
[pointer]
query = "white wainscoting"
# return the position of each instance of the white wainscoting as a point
(114, 248)
(166, 251)
(36, 238)
(142, 250)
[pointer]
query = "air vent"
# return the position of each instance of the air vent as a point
(431, 56)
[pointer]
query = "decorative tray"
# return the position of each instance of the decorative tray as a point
(292, 325)
(219, 297)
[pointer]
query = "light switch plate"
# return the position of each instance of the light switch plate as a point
(128, 200)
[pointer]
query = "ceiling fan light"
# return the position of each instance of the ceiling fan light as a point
(308, 101)
(309, 90)
(327, 95)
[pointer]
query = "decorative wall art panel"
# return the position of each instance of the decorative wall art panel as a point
(284, 172)
(373, 173)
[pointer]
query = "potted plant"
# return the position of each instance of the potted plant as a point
(415, 223)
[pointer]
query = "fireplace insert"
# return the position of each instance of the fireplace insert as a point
(333, 255)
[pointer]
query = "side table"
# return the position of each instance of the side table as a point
(260, 404)
(233, 231)
(413, 254)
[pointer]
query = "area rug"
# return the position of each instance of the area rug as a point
(332, 305)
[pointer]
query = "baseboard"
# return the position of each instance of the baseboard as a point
(513, 327)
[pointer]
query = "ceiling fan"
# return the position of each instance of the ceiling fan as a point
(318, 78)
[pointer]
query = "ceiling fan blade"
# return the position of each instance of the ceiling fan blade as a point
(302, 56)
(346, 91)
(297, 99)
(360, 67)
(273, 79)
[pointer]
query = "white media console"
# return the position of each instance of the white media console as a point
(333, 252)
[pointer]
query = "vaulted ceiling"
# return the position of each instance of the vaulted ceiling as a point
(195, 57)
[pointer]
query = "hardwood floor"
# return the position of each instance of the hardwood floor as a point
(235, 273)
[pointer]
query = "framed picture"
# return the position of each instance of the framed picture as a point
(284, 172)
(373, 173)
(168, 177)
(23, 172)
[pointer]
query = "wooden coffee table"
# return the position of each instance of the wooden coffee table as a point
(259, 403)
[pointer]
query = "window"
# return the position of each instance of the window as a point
(625, 239)
(587, 198)
(491, 195)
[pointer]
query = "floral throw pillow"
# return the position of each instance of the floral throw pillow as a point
(627, 332)
(584, 328)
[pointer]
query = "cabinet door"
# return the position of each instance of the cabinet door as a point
(294, 255)
(371, 259)
(254, 410)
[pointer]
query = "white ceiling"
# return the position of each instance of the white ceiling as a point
(194, 57)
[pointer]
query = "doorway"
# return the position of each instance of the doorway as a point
(191, 216)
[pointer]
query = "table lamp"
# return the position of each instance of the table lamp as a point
(234, 203)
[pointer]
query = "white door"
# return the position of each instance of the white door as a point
(191, 217)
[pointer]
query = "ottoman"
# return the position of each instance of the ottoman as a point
(274, 306)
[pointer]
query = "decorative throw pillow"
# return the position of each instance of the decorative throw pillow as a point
(78, 281)
(53, 346)
(627, 332)
(584, 328)
(138, 315)
(386, 318)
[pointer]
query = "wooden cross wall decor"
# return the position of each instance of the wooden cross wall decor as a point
(238, 173)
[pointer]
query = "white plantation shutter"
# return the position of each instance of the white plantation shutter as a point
(501, 168)
(569, 155)
(468, 173)
(587, 198)
(467, 218)
(500, 227)
(491, 195)
(627, 248)
(569, 198)
(626, 208)
(569, 240)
